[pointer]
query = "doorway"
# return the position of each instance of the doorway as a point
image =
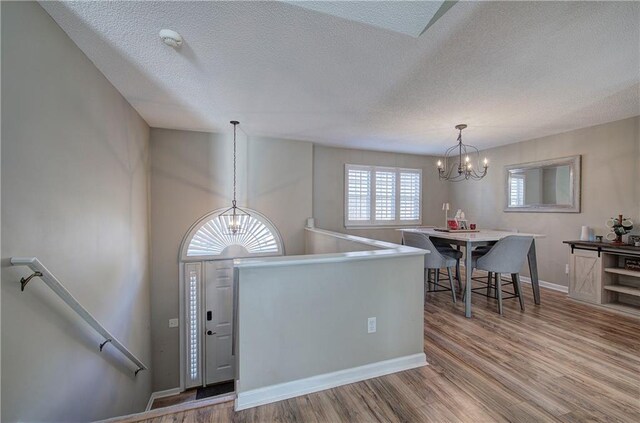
(207, 292)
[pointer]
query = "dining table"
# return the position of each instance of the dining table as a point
(471, 239)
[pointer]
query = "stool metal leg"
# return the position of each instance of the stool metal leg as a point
(489, 275)
(516, 277)
(499, 292)
(453, 290)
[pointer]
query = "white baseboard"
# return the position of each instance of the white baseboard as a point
(546, 284)
(161, 394)
(282, 391)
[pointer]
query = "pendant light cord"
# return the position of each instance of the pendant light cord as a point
(235, 124)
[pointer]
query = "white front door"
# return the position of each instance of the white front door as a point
(218, 321)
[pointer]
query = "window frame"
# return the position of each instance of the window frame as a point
(372, 222)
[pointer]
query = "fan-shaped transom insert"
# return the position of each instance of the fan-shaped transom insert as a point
(210, 237)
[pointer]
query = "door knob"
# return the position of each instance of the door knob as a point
(210, 332)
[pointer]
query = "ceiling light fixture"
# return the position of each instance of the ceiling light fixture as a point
(234, 217)
(461, 161)
(170, 38)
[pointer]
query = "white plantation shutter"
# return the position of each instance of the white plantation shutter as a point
(410, 195)
(516, 190)
(358, 195)
(382, 196)
(386, 195)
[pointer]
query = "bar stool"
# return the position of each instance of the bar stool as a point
(483, 249)
(433, 261)
(506, 256)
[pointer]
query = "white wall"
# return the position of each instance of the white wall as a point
(74, 194)
(319, 242)
(610, 169)
(191, 175)
(328, 187)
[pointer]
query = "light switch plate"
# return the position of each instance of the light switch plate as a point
(371, 325)
(173, 323)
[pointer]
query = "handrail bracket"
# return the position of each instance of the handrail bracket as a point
(104, 343)
(136, 372)
(25, 281)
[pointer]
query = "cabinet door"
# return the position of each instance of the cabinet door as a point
(585, 276)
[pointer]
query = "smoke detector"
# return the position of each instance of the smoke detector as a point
(171, 38)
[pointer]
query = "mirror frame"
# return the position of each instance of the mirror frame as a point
(574, 163)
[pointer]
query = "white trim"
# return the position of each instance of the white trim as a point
(545, 284)
(282, 391)
(161, 394)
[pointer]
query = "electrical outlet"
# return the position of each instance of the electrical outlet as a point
(371, 325)
(173, 323)
(566, 269)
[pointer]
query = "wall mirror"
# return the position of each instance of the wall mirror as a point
(551, 186)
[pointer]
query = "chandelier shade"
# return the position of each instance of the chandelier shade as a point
(461, 162)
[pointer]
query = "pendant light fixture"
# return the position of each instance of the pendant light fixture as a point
(234, 217)
(461, 162)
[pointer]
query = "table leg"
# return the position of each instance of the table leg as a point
(467, 286)
(533, 271)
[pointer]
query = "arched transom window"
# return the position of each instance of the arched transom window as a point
(210, 238)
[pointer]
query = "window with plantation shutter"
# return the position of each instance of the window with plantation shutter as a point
(359, 195)
(516, 190)
(385, 195)
(410, 196)
(382, 196)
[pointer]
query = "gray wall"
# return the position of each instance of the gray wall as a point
(74, 194)
(610, 169)
(328, 187)
(304, 320)
(191, 175)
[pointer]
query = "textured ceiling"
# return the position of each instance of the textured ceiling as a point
(510, 70)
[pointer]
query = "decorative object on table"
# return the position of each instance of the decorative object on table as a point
(235, 217)
(452, 224)
(472, 226)
(632, 264)
(445, 207)
(634, 240)
(584, 234)
(598, 238)
(461, 162)
(460, 220)
(618, 226)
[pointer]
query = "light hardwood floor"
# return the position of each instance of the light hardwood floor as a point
(562, 361)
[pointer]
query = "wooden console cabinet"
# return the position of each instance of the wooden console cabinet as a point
(597, 275)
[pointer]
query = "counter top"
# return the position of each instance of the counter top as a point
(603, 245)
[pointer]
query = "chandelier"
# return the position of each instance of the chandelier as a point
(234, 218)
(461, 162)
